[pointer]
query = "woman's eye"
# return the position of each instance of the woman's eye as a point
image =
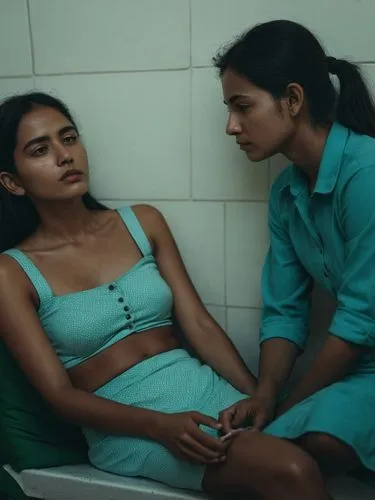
(70, 139)
(40, 151)
(243, 107)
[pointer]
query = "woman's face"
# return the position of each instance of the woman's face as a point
(261, 124)
(51, 161)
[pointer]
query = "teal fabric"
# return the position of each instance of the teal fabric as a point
(327, 236)
(344, 410)
(32, 436)
(138, 300)
(81, 324)
(171, 382)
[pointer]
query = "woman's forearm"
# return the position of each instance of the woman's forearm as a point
(332, 363)
(87, 410)
(216, 350)
(277, 358)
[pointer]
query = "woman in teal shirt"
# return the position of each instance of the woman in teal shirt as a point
(276, 84)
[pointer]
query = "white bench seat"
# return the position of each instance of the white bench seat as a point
(83, 482)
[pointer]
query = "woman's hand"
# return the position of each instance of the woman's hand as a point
(257, 412)
(181, 434)
(282, 408)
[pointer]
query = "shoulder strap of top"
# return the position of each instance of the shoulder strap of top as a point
(35, 276)
(135, 229)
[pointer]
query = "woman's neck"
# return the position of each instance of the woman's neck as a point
(305, 149)
(65, 220)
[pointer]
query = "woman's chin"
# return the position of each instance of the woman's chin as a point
(255, 156)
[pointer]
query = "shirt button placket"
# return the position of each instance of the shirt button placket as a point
(121, 300)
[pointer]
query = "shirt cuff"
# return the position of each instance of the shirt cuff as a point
(353, 327)
(284, 329)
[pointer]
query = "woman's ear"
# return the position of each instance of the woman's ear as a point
(11, 184)
(295, 98)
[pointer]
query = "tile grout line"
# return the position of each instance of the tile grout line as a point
(190, 34)
(225, 265)
(115, 72)
(191, 105)
(206, 66)
(121, 72)
(31, 41)
(16, 77)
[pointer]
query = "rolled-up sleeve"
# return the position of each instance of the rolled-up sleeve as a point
(354, 319)
(286, 285)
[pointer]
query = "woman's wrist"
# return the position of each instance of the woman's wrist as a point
(155, 424)
(267, 389)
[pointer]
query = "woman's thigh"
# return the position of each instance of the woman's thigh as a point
(333, 456)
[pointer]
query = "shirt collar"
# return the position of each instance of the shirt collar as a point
(329, 166)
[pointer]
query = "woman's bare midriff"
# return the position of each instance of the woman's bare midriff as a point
(116, 359)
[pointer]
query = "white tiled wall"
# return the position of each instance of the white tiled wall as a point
(15, 43)
(85, 36)
(136, 129)
(220, 171)
(138, 78)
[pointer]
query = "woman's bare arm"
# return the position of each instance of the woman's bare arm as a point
(202, 332)
(23, 334)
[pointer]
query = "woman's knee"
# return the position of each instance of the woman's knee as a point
(293, 469)
(260, 463)
(300, 468)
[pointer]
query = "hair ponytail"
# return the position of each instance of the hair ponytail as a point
(355, 107)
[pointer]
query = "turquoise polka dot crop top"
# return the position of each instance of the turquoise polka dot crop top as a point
(82, 324)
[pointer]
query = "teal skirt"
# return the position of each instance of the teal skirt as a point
(170, 382)
(344, 410)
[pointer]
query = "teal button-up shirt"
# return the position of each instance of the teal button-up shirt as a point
(327, 236)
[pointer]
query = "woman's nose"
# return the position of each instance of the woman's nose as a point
(233, 126)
